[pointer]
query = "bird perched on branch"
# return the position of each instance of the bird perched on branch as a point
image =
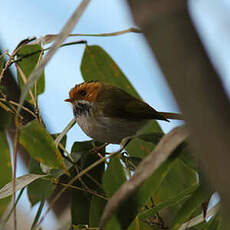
(108, 114)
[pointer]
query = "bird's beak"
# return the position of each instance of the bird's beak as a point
(69, 100)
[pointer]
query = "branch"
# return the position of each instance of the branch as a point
(194, 82)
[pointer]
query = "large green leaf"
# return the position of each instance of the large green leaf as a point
(181, 197)
(40, 145)
(98, 65)
(180, 177)
(200, 196)
(152, 184)
(97, 205)
(30, 56)
(5, 169)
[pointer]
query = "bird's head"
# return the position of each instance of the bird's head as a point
(82, 96)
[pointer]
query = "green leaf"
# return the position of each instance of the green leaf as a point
(40, 189)
(152, 184)
(80, 206)
(97, 205)
(187, 156)
(21, 182)
(153, 137)
(140, 225)
(141, 146)
(181, 197)
(5, 169)
(40, 145)
(201, 195)
(113, 224)
(113, 178)
(98, 65)
(5, 119)
(30, 56)
(179, 178)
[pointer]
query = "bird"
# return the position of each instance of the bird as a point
(108, 114)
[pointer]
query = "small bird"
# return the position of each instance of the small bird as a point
(107, 113)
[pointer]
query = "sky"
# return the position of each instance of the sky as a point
(22, 19)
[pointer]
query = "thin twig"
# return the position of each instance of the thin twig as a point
(130, 30)
(48, 48)
(81, 189)
(65, 130)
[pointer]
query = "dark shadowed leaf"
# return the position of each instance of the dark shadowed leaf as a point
(30, 56)
(40, 145)
(5, 118)
(5, 169)
(113, 178)
(85, 207)
(97, 205)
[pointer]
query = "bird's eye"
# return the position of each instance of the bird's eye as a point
(82, 93)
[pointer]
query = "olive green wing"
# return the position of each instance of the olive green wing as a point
(115, 102)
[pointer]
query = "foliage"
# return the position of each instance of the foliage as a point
(172, 194)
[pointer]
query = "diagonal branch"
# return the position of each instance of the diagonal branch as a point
(194, 82)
